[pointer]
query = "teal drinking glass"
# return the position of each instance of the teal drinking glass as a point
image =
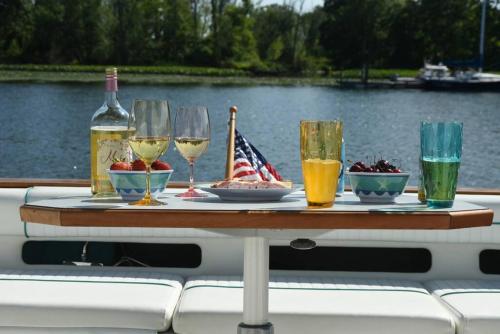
(441, 151)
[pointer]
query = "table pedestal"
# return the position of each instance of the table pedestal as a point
(256, 287)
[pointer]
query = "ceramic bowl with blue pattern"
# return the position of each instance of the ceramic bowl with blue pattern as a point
(131, 185)
(378, 187)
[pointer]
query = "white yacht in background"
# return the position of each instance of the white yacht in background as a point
(439, 77)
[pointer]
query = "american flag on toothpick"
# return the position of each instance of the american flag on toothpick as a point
(250, 164)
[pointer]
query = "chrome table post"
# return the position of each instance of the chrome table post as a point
(256, 287)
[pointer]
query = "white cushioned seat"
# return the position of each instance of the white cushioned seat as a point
(62, 330)
(88, 298)
(475, 304)
(303, 305)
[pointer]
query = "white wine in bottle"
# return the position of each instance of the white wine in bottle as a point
(108, 137)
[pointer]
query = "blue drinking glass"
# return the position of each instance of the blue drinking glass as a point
(441, 151)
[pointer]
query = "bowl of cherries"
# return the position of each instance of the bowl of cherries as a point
(380, 182)
(129, 179)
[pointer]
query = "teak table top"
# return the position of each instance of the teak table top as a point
(290, 213)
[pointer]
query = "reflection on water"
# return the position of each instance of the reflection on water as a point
(44, 128)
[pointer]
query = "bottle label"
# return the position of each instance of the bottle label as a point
(109, 151)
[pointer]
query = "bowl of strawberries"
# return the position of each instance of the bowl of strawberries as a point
(129, 179)
(380, 182)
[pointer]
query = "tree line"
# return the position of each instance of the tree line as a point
(278, 38)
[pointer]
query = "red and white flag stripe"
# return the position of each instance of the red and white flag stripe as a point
(244, 170)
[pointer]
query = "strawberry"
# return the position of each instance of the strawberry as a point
(138, 164)
(120, 165)
(161, 165)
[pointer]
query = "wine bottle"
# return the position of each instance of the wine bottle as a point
(108, 137)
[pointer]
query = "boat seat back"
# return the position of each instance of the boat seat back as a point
(88, 298)
(300, 305)
(475, 304)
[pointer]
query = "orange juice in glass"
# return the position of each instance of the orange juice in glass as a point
(320, 150)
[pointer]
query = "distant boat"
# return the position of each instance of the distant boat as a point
(439, 77)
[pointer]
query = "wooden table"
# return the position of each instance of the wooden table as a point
(290, 213)
(251, 221)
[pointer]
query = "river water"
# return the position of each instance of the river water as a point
(44, 128)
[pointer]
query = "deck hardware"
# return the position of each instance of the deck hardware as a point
(255, 329)
(84, 252)
(83, 258)
(130, 261)
(83, 264)
(303, 244)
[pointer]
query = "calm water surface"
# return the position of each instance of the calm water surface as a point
(44, 128)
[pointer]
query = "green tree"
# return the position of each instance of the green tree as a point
(153, 13)
(355, 31)
(179, 31)
(202, 47)
(274, 26)
(47, 32)
(15, 29)
(128, 33)
(217, 11)
(85, 31)
(492, 36)
(404, 47)
(237, 44)
(448, 29)
(312, 25)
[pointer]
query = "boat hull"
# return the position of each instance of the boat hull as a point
(450, 85)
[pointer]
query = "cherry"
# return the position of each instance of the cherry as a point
(360, 164)
(383, 164)
(355, 168)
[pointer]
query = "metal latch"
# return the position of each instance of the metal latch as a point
(302, 244)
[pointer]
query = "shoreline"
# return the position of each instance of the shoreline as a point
(178, 75)
(158, 79)
(8, 76)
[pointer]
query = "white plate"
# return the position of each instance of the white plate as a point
(249, 195)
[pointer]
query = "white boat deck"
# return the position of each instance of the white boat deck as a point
(211, 297)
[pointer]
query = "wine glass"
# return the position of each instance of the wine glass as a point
(149, 137)
(192, 135)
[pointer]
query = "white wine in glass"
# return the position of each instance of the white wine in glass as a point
(149, 137)
(148, 149)
(191, 148)
(192, 135)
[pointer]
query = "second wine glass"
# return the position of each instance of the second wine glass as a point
(192, 135)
